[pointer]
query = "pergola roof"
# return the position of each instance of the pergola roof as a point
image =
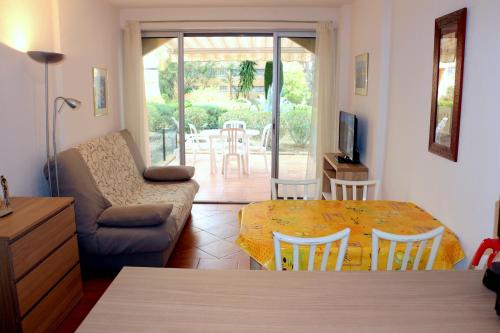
(234, 48)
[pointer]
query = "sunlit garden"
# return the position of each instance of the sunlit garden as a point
(219, 91)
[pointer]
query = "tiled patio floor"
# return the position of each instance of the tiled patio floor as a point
(241, 187)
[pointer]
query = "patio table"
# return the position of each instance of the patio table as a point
(214, 135)
(302, 218)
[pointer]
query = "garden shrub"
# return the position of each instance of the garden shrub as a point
(197, 116)
(253, 119)
(160, 115)
(298, 124)
(213, 114)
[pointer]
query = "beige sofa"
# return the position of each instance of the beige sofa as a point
(106, 176)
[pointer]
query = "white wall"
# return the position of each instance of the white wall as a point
(24, 25)
(462, 195)
(90, 36)
(87, 31)
(342, 23)
(371, 34)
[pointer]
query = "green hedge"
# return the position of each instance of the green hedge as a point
(253, 119)
(298, 124)
(160, 116)
(295, 119)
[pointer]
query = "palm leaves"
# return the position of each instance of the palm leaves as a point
(247, 76)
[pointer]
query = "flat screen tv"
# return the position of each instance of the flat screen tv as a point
(348, 130)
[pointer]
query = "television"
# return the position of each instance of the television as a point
(348, 130)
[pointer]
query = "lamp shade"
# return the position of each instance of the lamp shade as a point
(46, 57)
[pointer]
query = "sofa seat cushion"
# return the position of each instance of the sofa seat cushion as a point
(179, 194)
(135, 216)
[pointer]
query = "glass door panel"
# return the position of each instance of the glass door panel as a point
(160, 58)
(225, 86)
(294, 119)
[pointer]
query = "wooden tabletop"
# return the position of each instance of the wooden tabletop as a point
(182, 300)
(28, 213)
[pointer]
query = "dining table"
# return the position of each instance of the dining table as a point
(316, 218)
(185, 300)
(214, 135)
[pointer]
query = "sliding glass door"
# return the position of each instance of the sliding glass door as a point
(198, 84)
(293, 108)
(161, 78)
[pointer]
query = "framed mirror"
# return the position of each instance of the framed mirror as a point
(449, 47)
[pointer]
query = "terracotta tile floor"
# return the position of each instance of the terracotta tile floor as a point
(207, 242)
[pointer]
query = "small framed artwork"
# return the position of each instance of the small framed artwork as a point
(100, 91)
(361, 78)
(448, 68)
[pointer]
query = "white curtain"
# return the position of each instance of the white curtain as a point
(134, 90)
(323, 126)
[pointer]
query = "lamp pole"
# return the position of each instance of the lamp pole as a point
(47, 58)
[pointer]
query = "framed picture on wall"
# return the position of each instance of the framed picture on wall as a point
(100, 91)
(361, 75)
(448, 68)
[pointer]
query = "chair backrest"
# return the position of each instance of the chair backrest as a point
(343, 236)
(266, 136)
(295, 186)
(193, 131)
(353, 185)
(435, 234)
(234, 124)
(233, 137)
(176, 123)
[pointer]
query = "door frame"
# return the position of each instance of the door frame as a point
(276, 97)
(276, 35)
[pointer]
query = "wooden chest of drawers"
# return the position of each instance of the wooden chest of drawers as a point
(40, 280)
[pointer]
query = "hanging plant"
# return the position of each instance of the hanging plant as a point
(247, 76)
(268, 77)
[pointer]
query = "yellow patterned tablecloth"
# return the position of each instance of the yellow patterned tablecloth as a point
(320, 218)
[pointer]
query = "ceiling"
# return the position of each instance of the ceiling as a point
(228, 3)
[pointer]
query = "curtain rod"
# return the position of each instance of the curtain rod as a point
(224, 21)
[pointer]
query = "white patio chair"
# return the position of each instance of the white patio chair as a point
(296, 185)
(435, 234)
(195, 140)
(343, 236)
(261, 149)
(234, 145)
(234, 124)
(354, 185)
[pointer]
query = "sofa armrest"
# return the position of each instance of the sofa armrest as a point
(135, 216)
(168, 173)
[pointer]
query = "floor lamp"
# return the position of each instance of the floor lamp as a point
(47, 58)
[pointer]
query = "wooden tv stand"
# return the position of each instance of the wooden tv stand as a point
(336, 170)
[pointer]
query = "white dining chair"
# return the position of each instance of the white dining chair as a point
(234, 124)
(234, 145)
(353, 185)
(342, 236)
(435, 234)
(261, 148)
(295, 186)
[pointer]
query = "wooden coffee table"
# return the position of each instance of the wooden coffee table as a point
(183, 300)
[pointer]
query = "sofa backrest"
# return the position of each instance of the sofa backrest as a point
(113, 168)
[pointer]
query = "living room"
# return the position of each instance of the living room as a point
(373, 59)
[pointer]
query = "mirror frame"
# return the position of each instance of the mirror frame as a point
(458, 18)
